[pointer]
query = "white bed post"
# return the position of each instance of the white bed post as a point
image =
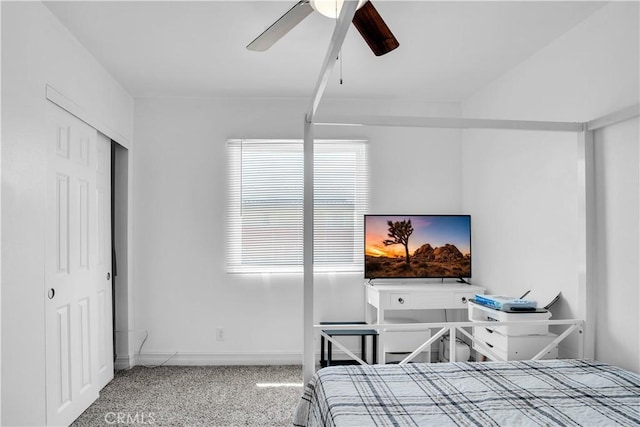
(308, 360)
(339, 33)
(587, 243)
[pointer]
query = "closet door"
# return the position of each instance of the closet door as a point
(103, 263)
(75, 300)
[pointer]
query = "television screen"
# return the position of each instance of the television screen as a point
(417, 246)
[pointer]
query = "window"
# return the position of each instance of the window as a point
(265, 210)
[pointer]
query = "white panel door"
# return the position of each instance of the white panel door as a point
(103, 261)
(75, 297)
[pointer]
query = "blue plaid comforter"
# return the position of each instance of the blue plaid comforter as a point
(520, 393)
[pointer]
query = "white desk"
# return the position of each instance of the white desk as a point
(425, 296)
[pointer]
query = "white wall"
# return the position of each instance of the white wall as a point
(37, 50)
(618, 276)
(521, 188)
(183, 292)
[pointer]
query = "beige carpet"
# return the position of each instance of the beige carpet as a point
(198, 396)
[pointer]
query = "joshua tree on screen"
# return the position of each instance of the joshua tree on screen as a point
(399, 233)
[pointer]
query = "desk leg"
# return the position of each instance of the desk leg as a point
(329, 353)
(321, 351)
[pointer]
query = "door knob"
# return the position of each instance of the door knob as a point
(51, 293)
(108, 276)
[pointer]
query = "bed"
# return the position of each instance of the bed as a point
(567, 392)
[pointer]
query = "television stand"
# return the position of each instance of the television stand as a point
(428, 296)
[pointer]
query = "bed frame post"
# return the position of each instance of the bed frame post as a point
(308, 359)
(587, 240)
(339, 33)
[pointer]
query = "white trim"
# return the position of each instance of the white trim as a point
(224, 359)
(123, 362)
(448, 122)
(218, 359)
(339, 33)
(83, 114)
(613, 118)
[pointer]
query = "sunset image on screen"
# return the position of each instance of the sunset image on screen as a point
(417, 246)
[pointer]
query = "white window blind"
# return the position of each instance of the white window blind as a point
(265, 209)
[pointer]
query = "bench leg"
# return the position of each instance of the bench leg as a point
(375, 349)
(363, 347)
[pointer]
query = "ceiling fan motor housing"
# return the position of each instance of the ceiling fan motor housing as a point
(331, 8)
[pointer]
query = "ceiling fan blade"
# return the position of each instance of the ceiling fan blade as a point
(281, 27)
(373, 30)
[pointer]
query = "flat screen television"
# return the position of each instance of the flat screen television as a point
(417, 246)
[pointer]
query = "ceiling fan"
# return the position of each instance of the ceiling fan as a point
(367, 21)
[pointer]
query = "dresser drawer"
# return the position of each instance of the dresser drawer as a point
(420, 296)
(521, 347)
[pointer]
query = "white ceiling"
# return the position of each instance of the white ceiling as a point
(448, 50)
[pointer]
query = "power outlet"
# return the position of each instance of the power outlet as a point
(219, 334)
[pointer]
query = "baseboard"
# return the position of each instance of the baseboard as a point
(223, 359)
(218, 359)
(123, 362)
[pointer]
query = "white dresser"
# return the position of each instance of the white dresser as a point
(512, 342)
(401, 299)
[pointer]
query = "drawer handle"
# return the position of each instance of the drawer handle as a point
(489, 345)
(401, 300)
(489, 330)
(464, 300)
